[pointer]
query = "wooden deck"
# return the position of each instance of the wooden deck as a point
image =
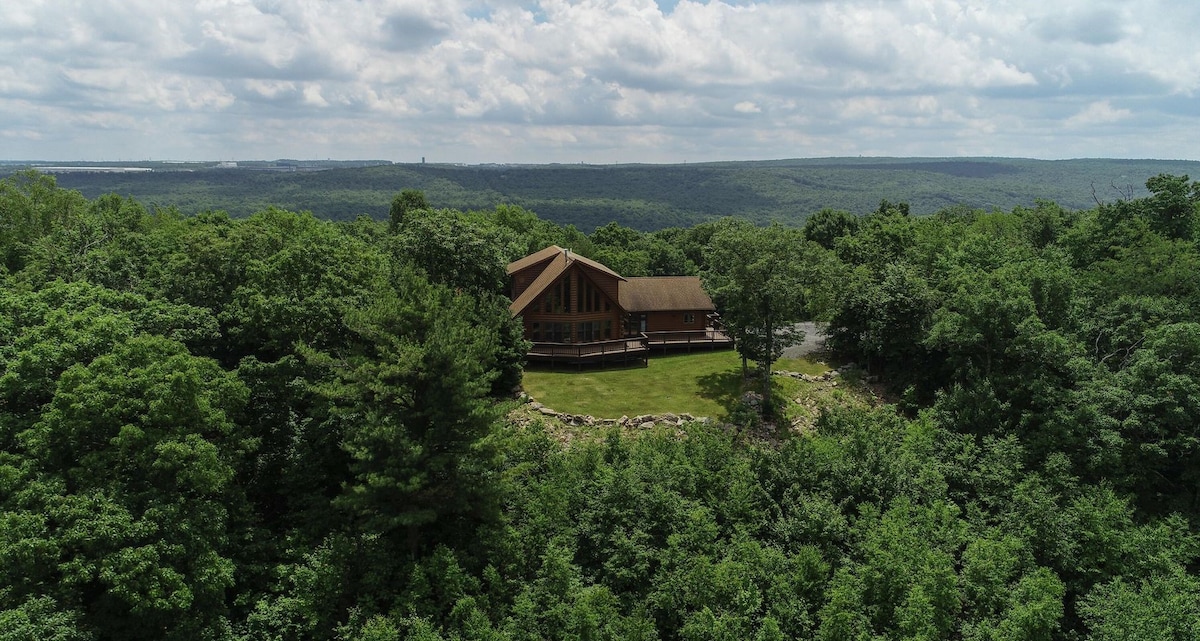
(710, 338)
(633, 348)
(625, 350)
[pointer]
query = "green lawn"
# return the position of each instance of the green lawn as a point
(703, 384)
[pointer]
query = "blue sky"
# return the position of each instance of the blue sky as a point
(597, 81)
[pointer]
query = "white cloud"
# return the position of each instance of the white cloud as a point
(1098, 113)
(571, 80)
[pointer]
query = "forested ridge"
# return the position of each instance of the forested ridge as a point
(281, 427)
(644, 197)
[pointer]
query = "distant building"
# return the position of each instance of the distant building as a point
(577, 310)
(94, 169)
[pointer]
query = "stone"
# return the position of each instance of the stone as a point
(536, 405)
(546, 411)
(647, 425)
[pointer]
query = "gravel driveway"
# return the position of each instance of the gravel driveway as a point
(814, 340)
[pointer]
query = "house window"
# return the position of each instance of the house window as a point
(607, 330)
(557, 299)
(589, 296)
(589, 331)
(535, 331)
(689, 318)
(558, 332)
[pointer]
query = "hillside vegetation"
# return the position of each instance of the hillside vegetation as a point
(282, 427)
(647, 197)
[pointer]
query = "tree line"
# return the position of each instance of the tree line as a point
(280, 427)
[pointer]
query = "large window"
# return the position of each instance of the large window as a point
(590, 297)
(589, 331)
(557, 299)
(556, 332)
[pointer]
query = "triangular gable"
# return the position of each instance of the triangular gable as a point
(557, 267)
(557, 260)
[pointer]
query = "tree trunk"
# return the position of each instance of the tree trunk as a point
(768, 410)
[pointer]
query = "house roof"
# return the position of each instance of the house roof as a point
(648, 294)
(558, 261)
(558, 265)
(533, 259)
(593, 264)
(551, 252)
(663, 294)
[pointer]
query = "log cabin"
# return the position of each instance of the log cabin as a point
(576, 310)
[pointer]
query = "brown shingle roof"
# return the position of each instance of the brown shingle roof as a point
(594, 265)
(647, 294)
(558, 265)
(664, 293)
(557, 261)
(533, 259)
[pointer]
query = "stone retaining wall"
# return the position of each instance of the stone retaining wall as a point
(641, 421)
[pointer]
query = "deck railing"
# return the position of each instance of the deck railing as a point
(632, 346)
(710, 336)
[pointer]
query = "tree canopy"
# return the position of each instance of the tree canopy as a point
(281, 427)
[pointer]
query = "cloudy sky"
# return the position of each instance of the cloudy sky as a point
(597, 81)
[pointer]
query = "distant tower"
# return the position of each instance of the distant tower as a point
(422, 160)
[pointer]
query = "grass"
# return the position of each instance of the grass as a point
(812, 367)
(704, 384)
(701, 384)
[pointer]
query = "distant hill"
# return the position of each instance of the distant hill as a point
(645, 197)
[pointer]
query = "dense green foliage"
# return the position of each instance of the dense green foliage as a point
(282, 428)
(644, 197)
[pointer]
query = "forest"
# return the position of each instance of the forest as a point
(641, 196)
(284, 427)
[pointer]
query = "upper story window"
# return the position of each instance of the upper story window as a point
(590, 297)
(557, 299)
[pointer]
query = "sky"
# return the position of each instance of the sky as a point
(597, 81)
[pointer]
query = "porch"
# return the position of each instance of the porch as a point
(707, 338)
(621, 350)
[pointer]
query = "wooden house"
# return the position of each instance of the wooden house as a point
(575, 309)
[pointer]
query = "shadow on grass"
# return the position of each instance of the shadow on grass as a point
(723, 388)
